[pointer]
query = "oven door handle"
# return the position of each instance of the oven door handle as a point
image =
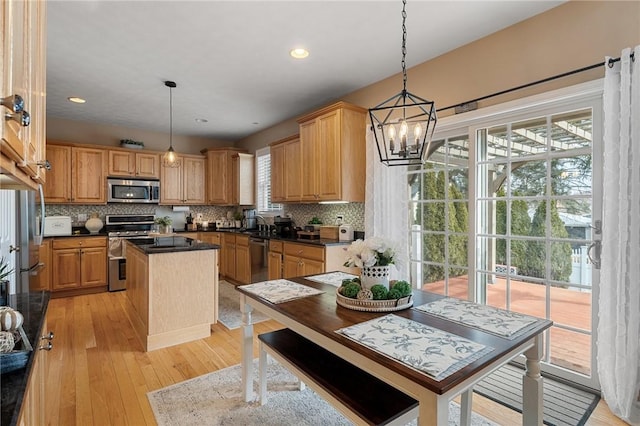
(117, 258)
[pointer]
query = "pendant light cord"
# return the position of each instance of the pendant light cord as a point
(170, 117)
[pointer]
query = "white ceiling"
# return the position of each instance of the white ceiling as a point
(230, 59)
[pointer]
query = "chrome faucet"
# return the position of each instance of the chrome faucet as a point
(260, 227)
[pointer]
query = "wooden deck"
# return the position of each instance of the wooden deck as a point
(568, 349)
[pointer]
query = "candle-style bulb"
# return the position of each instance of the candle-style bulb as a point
(392, 136)
(403, 135)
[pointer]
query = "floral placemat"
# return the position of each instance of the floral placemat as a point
(429, 350)
(332, 278)
(486, 318)
(278, 291)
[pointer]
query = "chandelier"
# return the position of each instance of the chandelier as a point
(403, 124)
(170, 158)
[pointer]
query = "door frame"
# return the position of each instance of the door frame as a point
(584, 95)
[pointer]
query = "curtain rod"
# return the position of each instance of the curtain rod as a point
(610, 63)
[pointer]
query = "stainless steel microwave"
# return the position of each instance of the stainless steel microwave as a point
(133, 191)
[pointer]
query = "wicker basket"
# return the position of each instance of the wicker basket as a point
(390, 305)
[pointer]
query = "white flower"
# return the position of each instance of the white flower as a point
(370, 252)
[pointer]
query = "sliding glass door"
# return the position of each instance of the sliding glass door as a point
(506, 213)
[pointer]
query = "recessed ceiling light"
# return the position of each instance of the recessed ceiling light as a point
(201, 120)
(299, 53)
(76, 100)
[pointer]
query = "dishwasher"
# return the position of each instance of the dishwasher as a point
(258, 255)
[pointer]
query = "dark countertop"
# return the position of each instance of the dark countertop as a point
(33, 306)
(173, 244)
(267, 236)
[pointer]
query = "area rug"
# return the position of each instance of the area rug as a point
(229, 307)
(216, 399)
(564, 405)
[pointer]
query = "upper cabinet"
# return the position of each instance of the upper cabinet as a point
(134, 164)
(230, 177)
(184, 184)
(77, 175)
(22, 90)
(286, 170)
(333, 155)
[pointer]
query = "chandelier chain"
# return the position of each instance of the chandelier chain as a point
(404, 46)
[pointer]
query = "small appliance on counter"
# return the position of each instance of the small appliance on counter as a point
(249, 219)
(284, 227)
(56, 226)
(345, 232)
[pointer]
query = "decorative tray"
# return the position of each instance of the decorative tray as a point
(18, 357)
(367, 305)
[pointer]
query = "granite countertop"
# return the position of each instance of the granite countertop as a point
(268, 236)
(172, 244)
(33, 307)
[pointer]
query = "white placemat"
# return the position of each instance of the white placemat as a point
(486, 318)
(278, 291)
(429, 350)
(332, 278)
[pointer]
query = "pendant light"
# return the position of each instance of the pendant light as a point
(170, 158)
(403, 125)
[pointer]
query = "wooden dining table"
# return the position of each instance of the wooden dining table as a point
(318, 317)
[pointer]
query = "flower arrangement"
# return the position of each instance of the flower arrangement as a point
(374, 251)
(164, 221)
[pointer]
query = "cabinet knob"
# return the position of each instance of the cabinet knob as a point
(22, 117)
(46, 347)
(13, 103)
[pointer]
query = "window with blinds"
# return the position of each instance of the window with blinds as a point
(263, 183)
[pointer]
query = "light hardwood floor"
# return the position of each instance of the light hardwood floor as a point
(98, 373)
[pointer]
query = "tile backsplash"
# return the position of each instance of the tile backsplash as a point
(353, 213)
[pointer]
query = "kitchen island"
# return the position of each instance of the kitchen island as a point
(172, 289)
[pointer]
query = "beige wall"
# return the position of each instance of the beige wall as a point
(102, 134)
(571, 36)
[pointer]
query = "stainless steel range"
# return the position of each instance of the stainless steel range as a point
(120, 228)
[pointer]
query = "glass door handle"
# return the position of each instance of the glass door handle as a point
(595, 260)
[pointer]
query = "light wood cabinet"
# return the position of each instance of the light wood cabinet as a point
(286, 170)
(134, 164)
(332, 147)
(33, 411)
(185, 184)
(213, 238)
(243, 260)
(274, 260)
(57, 189)
(137, 283)
(77, 175)
(242, 179)
(78, 262)
(230, 177)
(235, 261)
(23, 73)
(302, 259)
(42, 281)
(88, 179)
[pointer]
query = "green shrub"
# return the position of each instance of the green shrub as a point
(379, 291)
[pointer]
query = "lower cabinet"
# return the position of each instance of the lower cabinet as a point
(78, 262)
(213, 238)
(33, 405)
(42, 281)
(243, 260)
(302, 259)
(235, 261)
(274, 260)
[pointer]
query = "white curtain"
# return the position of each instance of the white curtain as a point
(386, 207)
(619, 304)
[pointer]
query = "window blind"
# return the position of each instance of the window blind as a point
(263, 183)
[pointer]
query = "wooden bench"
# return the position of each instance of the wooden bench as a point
(359, 396)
